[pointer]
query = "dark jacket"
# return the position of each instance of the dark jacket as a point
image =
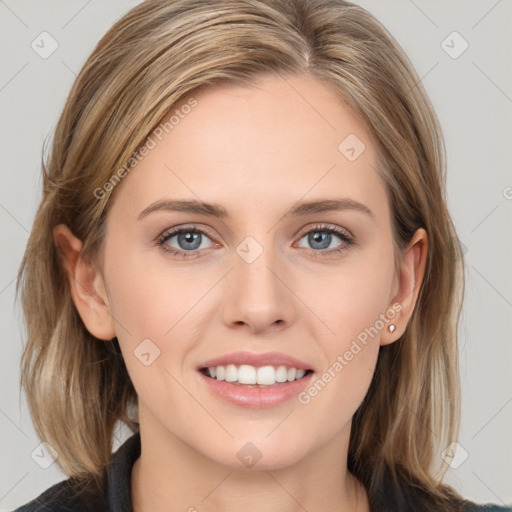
(116, 493)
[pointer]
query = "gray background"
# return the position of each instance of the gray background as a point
(472, 95)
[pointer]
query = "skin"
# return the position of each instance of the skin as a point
(256, 151)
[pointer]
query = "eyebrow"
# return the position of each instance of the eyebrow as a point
(216, 210)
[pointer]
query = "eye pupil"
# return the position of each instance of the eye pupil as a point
(189, 237)
(189, 240)
(321, 237)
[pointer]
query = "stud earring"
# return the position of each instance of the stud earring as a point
(391, 327)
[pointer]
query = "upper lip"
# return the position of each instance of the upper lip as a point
(253, 359)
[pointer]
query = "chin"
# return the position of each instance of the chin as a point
(254, 456)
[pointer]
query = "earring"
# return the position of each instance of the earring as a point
(391, 327)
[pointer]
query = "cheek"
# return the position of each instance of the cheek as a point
(157, 311)
(353, 302)
(148, 299)
(351, 299)
(353, 311)
(150, 310)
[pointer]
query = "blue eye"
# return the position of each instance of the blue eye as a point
(321, 237)
(189, 240)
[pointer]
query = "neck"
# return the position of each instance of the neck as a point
(172, 476)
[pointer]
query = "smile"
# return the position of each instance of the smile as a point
(248, 375)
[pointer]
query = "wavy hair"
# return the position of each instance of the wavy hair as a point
(159, 53)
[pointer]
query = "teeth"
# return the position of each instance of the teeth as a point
(247, 374)
(250, 375)
(281, 374)
(231, 373)
(219, 373)
(267, 376)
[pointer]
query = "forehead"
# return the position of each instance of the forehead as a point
(270, 144)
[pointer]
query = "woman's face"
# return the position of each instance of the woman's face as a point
(269, 276)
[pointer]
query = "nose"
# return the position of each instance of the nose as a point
(258, 295)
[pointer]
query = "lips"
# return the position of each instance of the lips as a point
(257, 360)
(256, 381)
(251, 375)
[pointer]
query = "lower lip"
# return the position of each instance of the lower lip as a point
(255, 397)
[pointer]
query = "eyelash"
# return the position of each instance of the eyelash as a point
(341, 233)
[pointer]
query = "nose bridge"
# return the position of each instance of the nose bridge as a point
(257, 294)
(253, 266)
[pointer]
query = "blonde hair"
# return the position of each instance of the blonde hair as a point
(162, 51)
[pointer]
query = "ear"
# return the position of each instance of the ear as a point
(86, 285)
(407, 285)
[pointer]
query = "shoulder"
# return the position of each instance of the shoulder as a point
(111, 493)
(487, 507)
(79, 496)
